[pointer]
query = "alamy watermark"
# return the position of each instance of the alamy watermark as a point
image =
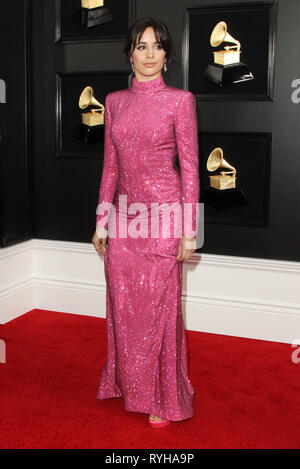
(2, 351)
(2, 91)
(175, 220)
(295, 96)
(296, 353)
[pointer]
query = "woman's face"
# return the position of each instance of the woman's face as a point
(148, 51)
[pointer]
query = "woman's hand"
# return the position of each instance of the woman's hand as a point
(186, 248)
(99, 243)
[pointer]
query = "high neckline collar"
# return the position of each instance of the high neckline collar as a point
(149, 86)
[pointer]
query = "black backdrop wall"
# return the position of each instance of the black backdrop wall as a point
(15, 177)
(49, 187)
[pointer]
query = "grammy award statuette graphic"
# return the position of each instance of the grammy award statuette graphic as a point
(92, 126)
(227, 68)
(94, 13)
(222, 192)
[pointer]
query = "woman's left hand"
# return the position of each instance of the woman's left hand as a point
(186, 248)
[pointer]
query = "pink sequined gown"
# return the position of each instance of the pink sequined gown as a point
(146, 126)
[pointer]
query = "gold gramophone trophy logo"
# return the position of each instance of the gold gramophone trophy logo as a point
(92, 117)
(222, 192)
(92, 121)
(94, 13)
(227, 68)
(224, 180)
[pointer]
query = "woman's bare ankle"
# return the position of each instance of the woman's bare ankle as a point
(155, 417)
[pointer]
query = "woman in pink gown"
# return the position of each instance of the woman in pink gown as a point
(146, 127)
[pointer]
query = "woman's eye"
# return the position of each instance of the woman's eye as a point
(143, 47)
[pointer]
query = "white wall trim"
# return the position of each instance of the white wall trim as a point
(239, 296)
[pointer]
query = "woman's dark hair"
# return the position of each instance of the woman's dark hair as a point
(161, 32)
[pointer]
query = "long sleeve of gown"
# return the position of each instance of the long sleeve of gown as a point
(110, 174)
(186, 128)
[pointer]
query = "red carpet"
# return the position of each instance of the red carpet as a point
(246, 391)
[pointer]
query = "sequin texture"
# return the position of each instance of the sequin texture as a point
(146, 126)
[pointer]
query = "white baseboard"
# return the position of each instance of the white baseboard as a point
(243, 297)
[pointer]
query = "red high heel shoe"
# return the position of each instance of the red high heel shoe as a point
(158, 423)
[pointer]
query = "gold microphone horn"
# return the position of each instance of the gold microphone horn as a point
(224, 180)
(87, 99)
(220, 34)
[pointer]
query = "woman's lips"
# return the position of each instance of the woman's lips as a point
(149, 64)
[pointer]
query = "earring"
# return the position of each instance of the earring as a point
(132, 65)
(165, 65)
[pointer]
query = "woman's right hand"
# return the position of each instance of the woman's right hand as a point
(186, 248)
(99, 243)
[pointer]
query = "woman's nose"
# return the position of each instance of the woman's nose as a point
(150, 53)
